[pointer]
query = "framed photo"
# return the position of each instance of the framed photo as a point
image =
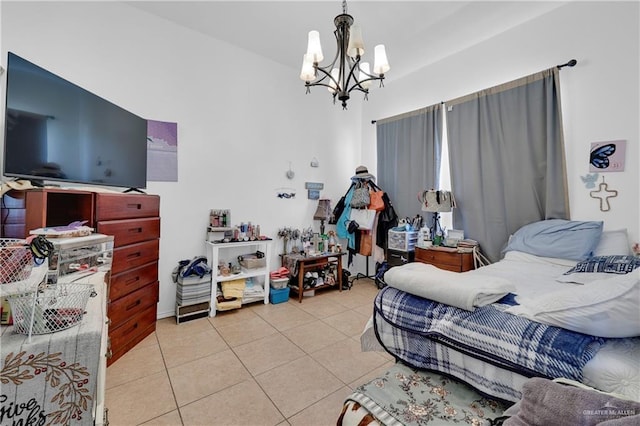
(607, 156)
(314, 194)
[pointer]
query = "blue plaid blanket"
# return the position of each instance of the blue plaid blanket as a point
(515, 343)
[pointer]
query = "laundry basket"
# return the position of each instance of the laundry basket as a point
(49, 308)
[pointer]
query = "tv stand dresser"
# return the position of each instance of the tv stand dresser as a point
(134, 222)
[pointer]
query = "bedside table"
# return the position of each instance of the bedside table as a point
(445, 258)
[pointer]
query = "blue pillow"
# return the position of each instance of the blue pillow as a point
(559, 238)
(617, 264)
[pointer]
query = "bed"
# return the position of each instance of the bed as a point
(562, 303)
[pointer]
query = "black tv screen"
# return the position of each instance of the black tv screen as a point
(56, 130)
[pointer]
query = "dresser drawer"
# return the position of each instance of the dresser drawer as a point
(131, 304)
(131, 332)
(133, 279)
(134, 255)
(450, 261)
(126, 206)
(129, 231)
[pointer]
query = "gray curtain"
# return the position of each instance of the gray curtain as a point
(506, 152)
(409, 152)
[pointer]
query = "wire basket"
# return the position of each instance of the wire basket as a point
(50, 308)
(18, 271)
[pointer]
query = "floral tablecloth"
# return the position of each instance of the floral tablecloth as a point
(52, 379)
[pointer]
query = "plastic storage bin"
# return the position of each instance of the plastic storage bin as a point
(402, 240)
(279, 295)
(279, 283)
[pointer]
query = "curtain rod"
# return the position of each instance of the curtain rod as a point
(571, 63)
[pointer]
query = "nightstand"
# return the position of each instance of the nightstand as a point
(445, 258)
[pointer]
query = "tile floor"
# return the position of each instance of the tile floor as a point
(285, 364)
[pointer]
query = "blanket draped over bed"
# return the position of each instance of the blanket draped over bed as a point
(463, 290)
(511, 342)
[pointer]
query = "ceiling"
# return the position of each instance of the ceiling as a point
(415, 33)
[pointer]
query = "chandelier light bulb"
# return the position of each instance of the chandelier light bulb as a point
(365, 71)
(380, 63)
(308, 73)
(314, 49)
(356, 44)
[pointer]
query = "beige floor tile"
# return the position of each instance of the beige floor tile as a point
(313, 336)
(135, 364)
(266, 340)
(350, 323)
(140, 400)
(167, 328)
(204, 376)
(169, 419)
(241, 332)
(241, 404)
(298, 384)
(346, 361)
(178, 349)
(269, 352)
(234, 316)
(366, 309)
(150, 340)
(284, 316)
(324, 412)
(358, 299)
(321, 307)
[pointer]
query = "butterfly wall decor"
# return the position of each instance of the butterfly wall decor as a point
(599, 156)
(607, 156)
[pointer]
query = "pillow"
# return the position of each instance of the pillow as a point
(603, 308)
(519, 256)
(613, 242)
(559, 238)
(620, 264)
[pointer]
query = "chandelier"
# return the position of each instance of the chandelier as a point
(346, 72)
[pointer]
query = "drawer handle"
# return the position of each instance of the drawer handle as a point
(132, 328)
(135, 230)
(133, 305)
(134, 255)
(132, 280)
(134, 206)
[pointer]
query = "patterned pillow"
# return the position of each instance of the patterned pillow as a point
(617, 264)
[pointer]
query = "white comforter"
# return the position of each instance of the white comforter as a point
(463, 290)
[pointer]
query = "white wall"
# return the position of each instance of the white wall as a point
(241, 118)
(600, 95)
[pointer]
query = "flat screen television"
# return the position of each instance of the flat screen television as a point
(58, 131)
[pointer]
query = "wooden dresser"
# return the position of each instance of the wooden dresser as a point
(445, 259)
(134, 222)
